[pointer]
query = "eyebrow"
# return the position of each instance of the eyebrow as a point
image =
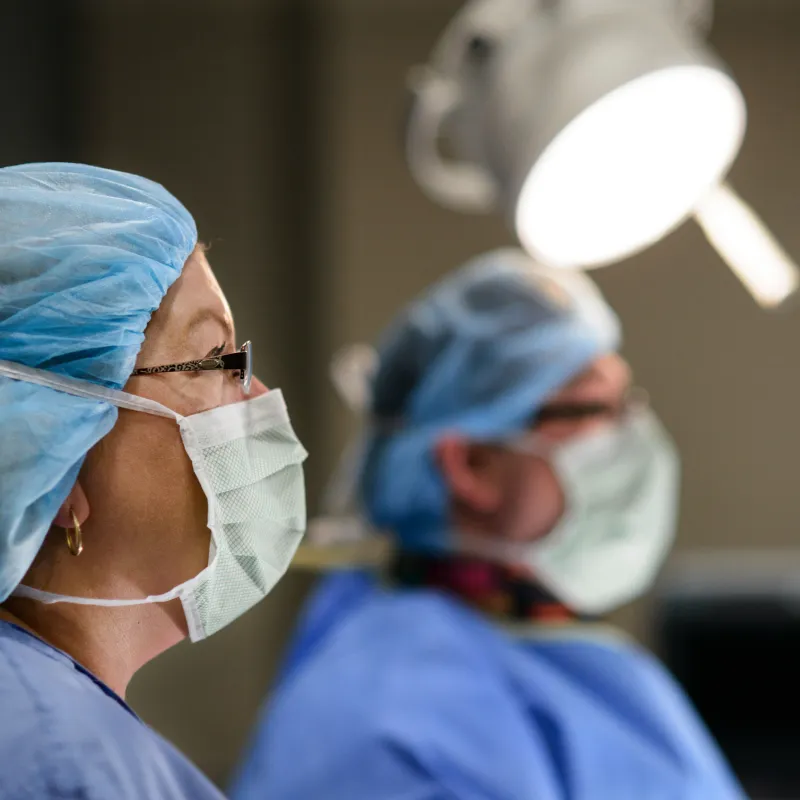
(206, 315)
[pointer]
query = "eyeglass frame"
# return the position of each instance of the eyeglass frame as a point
(636, 400)
(241, 361)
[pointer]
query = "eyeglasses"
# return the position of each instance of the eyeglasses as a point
(634, 400)
(535, 442)
(242, 362)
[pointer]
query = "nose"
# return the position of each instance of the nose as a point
(257, 388)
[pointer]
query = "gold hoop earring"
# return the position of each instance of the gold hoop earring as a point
(74, 535)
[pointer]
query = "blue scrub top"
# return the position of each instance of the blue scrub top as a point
(65, 734)
(408, 695)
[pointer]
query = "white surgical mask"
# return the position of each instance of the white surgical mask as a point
(249, 461)
(620, 487)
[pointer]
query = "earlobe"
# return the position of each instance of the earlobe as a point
(468, 474)
(76, 503)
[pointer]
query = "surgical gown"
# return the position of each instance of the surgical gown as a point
(408, 695)
(64, 734)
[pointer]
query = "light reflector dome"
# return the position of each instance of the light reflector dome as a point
(631, 167)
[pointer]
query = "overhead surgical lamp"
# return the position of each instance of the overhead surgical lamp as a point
(595, 126)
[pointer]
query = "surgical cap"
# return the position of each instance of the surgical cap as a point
(476, 355)
(86, 257)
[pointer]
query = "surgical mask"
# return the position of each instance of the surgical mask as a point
(248, 461)
(620, 488)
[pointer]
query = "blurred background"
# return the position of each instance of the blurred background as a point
(278, 123)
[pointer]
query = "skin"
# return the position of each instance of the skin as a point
(497, 491)
(139, 504)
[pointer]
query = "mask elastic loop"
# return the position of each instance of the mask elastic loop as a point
(89, 391)
(50, 598)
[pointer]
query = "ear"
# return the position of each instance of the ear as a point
(76, 501)
(472, 472)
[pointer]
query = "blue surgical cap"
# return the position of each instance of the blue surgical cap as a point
(478, 355)
(86, 256)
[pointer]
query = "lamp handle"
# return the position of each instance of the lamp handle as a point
(459, 185)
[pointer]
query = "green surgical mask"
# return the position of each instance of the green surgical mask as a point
(620, 486)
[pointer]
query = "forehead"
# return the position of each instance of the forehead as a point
(607, 376)
(193, 303)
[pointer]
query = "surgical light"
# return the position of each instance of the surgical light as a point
(595, 126)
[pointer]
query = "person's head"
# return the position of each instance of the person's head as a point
(499, 491)
(487, 390)
(101, 274)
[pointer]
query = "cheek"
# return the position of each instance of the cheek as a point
(140, 458)
(227, 390)
(536, 503)
(141, 486)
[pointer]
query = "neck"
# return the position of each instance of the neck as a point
(111, 643)
(495, 589)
